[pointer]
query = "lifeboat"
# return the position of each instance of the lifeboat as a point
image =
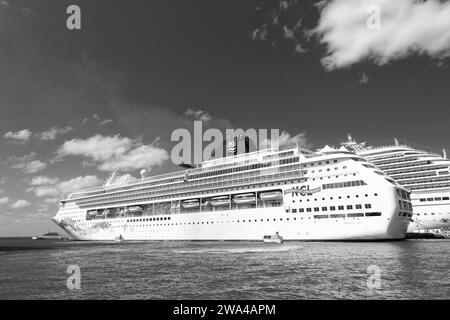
(275, 238)
(112, 213)
(105, 212)
(92, 213)
(244, 198)
(189, 204)
(220, 201)
(271, 195)
(135, 209)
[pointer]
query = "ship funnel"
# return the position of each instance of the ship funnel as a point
(444, 153)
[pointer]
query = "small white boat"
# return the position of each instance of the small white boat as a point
(119, 239)
(135, 209)
(276, 238)
(271, 195)
(189, 204)
(220, 201)
(244, 198)
(92, 213)
(50, 236)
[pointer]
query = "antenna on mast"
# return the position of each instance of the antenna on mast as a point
(396, 143)
(143, 173)
(349, 137)
(352, 145)
(111, 178)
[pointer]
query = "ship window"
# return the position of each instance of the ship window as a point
(308, 209)
(355, 215)
(340, 207)
(358, 206)
(368, 206)
(349, 207)
(294, 210)
(446, 198)
(373, 214)
(301, 210)
(332, 208)
(316, 209)
(324, 208)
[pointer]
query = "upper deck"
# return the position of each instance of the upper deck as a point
(252, 164)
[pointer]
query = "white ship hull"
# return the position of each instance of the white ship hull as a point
(244, 224)
(430, 216)
(338, 199)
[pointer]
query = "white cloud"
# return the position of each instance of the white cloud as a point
(4, 200)
(198, 114)
(20, 204)
(114, 152)
(26, 11)
(53, 132)
(45, 191)
(106, 121)
(78, 183)
(406, 27)
(51, 200)
(4, 3)
(53, 188)
(21, 136)
(364, 78)
(42, 180)
(286, 140)
(101, 121)
(27, 163)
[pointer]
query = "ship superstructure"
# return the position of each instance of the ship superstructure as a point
(426, 174)
(301, 195)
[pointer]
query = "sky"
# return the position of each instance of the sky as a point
(78, 104)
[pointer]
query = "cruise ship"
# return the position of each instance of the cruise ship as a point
(424, 173)
(298, 194)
